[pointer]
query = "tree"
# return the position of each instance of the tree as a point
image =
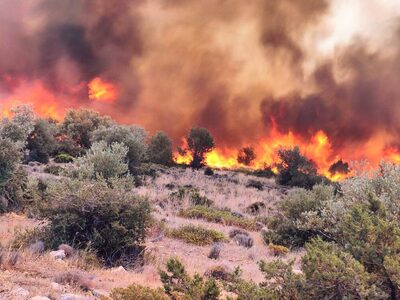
(296, 170)
(200, 142)
(41, 141)
(10, 156)
(246, 156)
(80, 124)
(160, 149)
(133, 137)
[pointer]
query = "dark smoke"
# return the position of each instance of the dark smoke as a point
(233, 66)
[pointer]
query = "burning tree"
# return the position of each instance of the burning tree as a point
(246, 156)
(200, 142)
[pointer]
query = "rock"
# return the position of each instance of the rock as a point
(69, 251)
(73, 297)
(100, 294)
(119, 269)
(59, 254)
(39, 298)
(37, 248)
(20, 293)
(56, 286)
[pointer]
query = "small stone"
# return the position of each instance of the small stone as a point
(20, 292)
(69, 251)
(39, 298)
(100, 294)
(56, 286)
(119, 269)
(73, 297)
(59, 254)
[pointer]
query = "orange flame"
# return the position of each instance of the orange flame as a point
(103, 91)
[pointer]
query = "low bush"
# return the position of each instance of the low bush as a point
(243, 240)
(137, 292)
(103, 216)
(196, 235)
(63, 158)
(53, 169)
(256, 208)
(179, 285)
(193, 195)
(215, 251)
(255, 184)
(208, 171)
(215, 215)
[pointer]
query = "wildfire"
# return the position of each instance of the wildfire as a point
(103, 91)
(318, 148)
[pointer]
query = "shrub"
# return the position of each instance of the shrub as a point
(266, 172)
(19, 126)
(255, 184)
(10, 155)
(80, 124)
(208, 171)
(243, 240)
(193, 195)
(19, 192)
(138, 292)
(179, 285)
(215, 251)
(104, 217)
(235, 231)
(334, 274)
(132, 137)
(63, 158)
(101, 161)
(53, 169)
(215, 215)
(41, 141)
(296, 170)
(256, 208)
(200, 142)
(197, 235)
(246, 156)
(160, 149)
(295, 223)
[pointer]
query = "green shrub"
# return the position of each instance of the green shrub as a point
(132, 137)
(160, 149)
(53, 169)
(41, 141)
(266, 172)
(179, 285)
(10, 155)
(137, 292)
(63, 158)
(101, 160)
(19, 192)
(215, 215)
(80, 125)
(295, 222)
(196, 235)
(103, 216)
(193, 195)
(334, 274)
(294, 169)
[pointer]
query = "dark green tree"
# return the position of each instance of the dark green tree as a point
(200, 142)
(160, 149)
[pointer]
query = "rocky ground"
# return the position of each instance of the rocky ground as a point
(44, 275)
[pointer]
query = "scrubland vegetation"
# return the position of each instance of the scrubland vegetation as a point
(110, 196)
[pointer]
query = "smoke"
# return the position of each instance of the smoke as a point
(239, 68)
